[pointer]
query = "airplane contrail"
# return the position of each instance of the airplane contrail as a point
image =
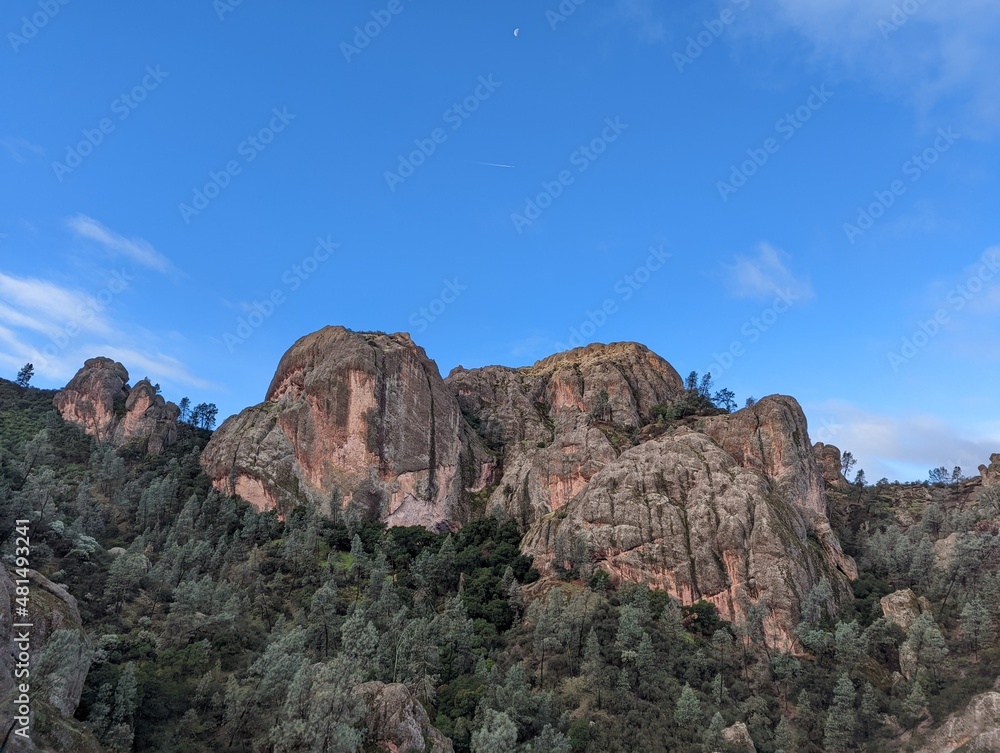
(492, 164)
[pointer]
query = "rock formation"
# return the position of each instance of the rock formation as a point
(99, 400)
(397, 723)
(731, 510)
(830, 466)
(990, 474)
(356, 422)
(977, 728)
(57, 684)
(728, 508)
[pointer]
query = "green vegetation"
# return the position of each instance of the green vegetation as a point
(222, 628)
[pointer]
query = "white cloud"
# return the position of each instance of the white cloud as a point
(57, 328)
(20, 149)
(137, 249)
(943, 53)
(766, 274)
(900, 448)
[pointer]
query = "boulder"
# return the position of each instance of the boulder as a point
(738, 738)
(397, 723)
(990, 474)
(829, 460)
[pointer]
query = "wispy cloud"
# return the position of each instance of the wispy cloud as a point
(20, 149)
(765, 274)
(136, 249)
(57, 328)
(903, 447)
(933, 54)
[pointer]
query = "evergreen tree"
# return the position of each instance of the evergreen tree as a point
(24, 375)
(977, 626)
(713, 733)
(785, 739)
(841, 721)
(915, 704)
(688, 711)
(496, 733)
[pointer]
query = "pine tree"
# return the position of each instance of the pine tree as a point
(785, 739)
(915, 705)
(688, 711)
(713, 733)
(24, 375)
(496, 733)
(977, 626)
(841, 721)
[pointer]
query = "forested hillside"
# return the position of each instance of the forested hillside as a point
(210, 626)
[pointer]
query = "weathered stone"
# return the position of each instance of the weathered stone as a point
(944, 551)
(738, 738)
(830, 463)
(354, 420)
(681, 514)
(990, 474)
(901, 608)
(555, 422)
(56, 695)
(977, 728)
(397, 723)
(99, 400)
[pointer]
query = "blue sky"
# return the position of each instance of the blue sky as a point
(802, 200)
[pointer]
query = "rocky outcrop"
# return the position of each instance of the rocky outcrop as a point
(559, 422)
(680, 514)
(354, 422)
(732, 510)
(990, 474)
(902, 608)
(728, 508)
(829, 460)
(737, 738)
(397, 723)
(99, 400)
(974, 729)
(772, 438)
(56, 683)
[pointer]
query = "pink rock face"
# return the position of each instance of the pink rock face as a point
(357, 422)
(734, 513)
(92, 396)
(99, 400)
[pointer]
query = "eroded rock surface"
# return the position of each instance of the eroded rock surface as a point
(57, 682)
(732, 510)
(358, 422)
(397, 723)
(99, 400)
(977, 728)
